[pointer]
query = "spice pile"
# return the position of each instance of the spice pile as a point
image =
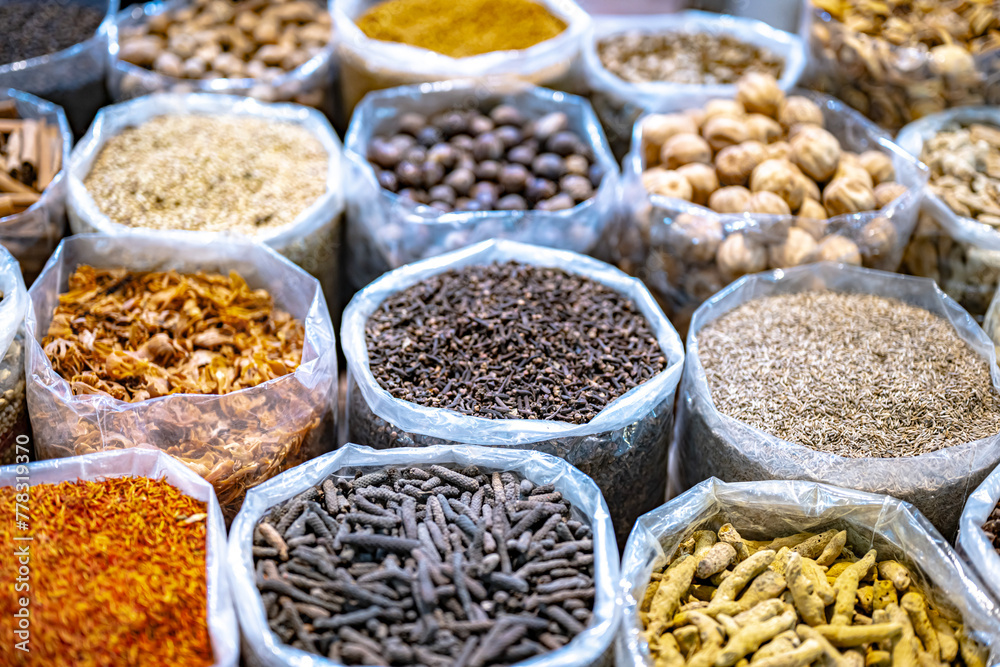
(138, 335)
(700, 58)
(808, 598)
(40, 27)
(209, 173)
(992, 527)
(433, 566)
(965, 170)
(118, 573)
(493, 159)
(208, 39)
(462, 29)
(30, 157)
(852, 375)
(898, 62)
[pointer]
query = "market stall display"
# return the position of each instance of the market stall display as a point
(218, 165)
(956, 241)
(58, 50)
(13, 409)
(830, 575)
(761, 181)
(277, 51)
(223, 356)
(568, 356)
(125, 554)
(438, 167)
(979, 534)
(553, 598)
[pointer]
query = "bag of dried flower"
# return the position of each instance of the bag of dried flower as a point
(920, 422)
(197, 366)
(772, 522)
(956, 241)
(628, 398)
(13, 304)
(590, 647)
(981, 550)
(762, 181)
(386, 229)
(289, 196)
(714, 51)
(57, 636)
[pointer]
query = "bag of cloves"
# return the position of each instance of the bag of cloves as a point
(13, 409)
(979, 548)
(368, 599)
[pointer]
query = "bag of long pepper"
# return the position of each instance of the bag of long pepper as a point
(345, 560)
(979, 533)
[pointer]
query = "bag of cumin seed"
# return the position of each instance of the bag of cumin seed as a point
(623, 448)
(708, 443)
(262, 648)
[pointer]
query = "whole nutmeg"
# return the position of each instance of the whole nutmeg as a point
(715, 108)
(760, 93)
(657, 128)
(767, 203)
(697, 116)
(731, 199)
(668, 183)
(888, 192)
(816, 227)
(836, 248)
(781, 178)
(855, 172)
(779, 150)
(796, 249)
(877, 241)
(816, 152)
(812, 190)
(798, 110)
(734, 164)
(685, 148)
(694, 237)
(762, 128)
(739, 255)
(811, 208)
(703, 180)
(723, 131)
(878, 165)
(847, 195)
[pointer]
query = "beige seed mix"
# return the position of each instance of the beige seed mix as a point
(209, 173)
(855, 375)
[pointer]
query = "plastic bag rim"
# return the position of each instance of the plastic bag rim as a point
(14, 304)
(792, 70)
(241, 560)
(332, 200)
(971, 529)
(103, 33)
(508, 433)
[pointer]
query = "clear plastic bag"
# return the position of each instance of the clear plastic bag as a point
(72, 78)
(13, 409)
(648, 248)
(235, 440)
(961, 254)
(710, 444)
(312, 240)
(619, 103)
(385, 231)
(976, 548)
(623, 448)
(589, 649)
(310, 84)
(765, 510)
(371, 64)
(32, 235)
(222, 626)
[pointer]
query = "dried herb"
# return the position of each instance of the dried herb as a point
(118, 574)
(137, 335)
(848, 374)
(992, 527)
(432, 565)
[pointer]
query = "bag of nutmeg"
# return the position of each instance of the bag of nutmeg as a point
(762, 181)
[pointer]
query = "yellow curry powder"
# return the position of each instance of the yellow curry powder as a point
(462, 29)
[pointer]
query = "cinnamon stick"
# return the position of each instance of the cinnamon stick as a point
(45, 156)
(11, 185)
(8, 109)
(13, 162)
(6, 206)
(29, 152)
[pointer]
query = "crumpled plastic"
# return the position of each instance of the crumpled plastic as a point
(973, 543)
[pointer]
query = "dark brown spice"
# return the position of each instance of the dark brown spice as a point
(992, 527)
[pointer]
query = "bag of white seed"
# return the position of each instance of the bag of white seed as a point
(619, 102)
(386, 230)
(622, 446)
(590, 648)
(765, 511)
(956, 241)
(975, 546)
(878, 376)
(13, 408)
(312, 238)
